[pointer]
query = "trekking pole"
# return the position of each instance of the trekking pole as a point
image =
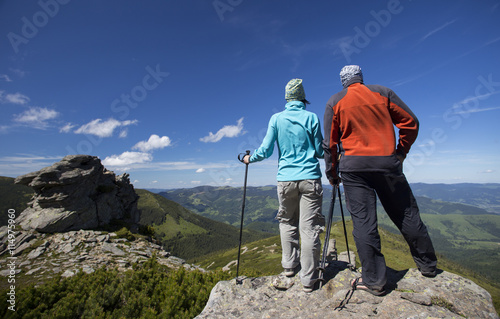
(350, 265)
(321, 267)
(240, 158)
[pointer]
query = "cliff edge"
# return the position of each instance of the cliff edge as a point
(409, 295)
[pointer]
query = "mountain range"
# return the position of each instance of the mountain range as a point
(184, 233)
(198, 224)
(458, 229)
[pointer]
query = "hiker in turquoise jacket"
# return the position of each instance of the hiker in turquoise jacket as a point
(297, 133)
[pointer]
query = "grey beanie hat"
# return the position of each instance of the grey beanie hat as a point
(348, 72)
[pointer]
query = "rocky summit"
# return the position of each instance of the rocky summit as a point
(77, 193)
(409, 295)
(40, 256)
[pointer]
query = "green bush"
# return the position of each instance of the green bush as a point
(149, 291)
(125, 233)
(147, 230)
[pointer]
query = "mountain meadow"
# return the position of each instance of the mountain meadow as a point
(201, 225)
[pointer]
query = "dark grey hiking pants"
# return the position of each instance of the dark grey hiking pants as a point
(397, 198)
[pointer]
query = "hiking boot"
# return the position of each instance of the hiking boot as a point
(308, 289)
(289, 272)
(430, 273)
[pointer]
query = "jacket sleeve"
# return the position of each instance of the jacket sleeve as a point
(267, 147)
(317, 138)
(407, 123)
(330, 142)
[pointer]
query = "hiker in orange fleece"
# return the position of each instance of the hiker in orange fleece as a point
(358, 124)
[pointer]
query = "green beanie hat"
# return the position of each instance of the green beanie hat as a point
(294, 91)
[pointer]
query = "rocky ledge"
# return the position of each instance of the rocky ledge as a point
(41, 255)
(409, 295)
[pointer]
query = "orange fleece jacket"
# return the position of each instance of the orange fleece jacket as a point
(359, 122)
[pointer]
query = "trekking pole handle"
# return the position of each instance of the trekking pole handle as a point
(240, 157)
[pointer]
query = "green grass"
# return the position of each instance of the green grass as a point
(466, 227)
(265, 254)
(171, 227)
(262, 257)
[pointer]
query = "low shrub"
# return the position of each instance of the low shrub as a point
(150, 290)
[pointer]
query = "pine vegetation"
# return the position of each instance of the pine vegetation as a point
(148, 291)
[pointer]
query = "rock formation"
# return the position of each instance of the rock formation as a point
(39, 256)
(409, 295)
(77, 193)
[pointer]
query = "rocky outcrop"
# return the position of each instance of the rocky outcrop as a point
(77, 193)
(409, 295)
(42, 256)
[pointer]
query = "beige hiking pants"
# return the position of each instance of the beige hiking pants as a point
(300, 214)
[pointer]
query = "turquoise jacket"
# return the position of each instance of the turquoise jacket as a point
(298, 135)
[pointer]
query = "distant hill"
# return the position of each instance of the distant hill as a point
(462, 232)
(186, 234)
(157, 190)
(485, 196)
(223, 204)
(12, 196)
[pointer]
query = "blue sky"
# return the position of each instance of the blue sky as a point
(171, 91)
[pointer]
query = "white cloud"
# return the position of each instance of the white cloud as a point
(16, 98)
(226, 131)
(123, 134)
(36, 117)
(200, 170)
(177, 166)
(102, 128)
(488, 171)
(137, 159)
(19, 73)
(5, 77)
(66, 128)
(127, 158)
(196, 182)
(437, 29)
(154, 142)
(478, 110)
(476, 98)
